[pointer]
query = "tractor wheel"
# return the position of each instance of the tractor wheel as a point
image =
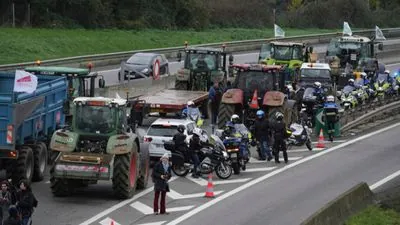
(24, 165)
(225, 113)
(59, 187)
(181, 85)
(40, 161)
(126, 174)
(144, 169)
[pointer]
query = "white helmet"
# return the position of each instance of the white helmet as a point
(363, 74)
(278, 115)
(330, 98)
(235, 118)
(190, 103)
(197, 131)
(318, 84)
(387, 71)
(351, 80)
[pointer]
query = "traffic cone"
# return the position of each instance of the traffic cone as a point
(210, 189)
(321, 141)
(112, 222)
(254, 101)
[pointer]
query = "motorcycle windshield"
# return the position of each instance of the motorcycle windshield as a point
(193, 113)
(382, 77)
(309, 94)
(359, 82)
(348, 89)
(217, 142)
(296, 128)
(241, 129)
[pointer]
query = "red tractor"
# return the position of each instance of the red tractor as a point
(257, 86)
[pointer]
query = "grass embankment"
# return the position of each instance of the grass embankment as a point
(24, 45)
(374, 215)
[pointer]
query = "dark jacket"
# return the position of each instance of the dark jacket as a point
(279, 131)
(194, 145)
(159, 183)
(261, 130)
(25, 202)
(12, 221)
(179, 140)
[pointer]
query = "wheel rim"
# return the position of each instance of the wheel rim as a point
(179, 170)
(132, 171)
(224, 172)
(42, 165)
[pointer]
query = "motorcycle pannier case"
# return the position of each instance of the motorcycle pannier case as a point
(169, 145)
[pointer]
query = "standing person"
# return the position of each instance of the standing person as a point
(331, 115)
(261, 133)
(5, 200)
(13, 218)
(280, 134)
(25, 202)
(161, 174)
(214, 96)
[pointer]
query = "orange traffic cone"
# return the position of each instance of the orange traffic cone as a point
(254, 101)
(210, 189)
(321, 141)
(112, 222)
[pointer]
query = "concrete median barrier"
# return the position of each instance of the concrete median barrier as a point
(340, 209)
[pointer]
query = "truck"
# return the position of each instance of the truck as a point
(100, 144)
(349, 54)
(202, 66)
(166, 101)
(27, 122)
(81, 82)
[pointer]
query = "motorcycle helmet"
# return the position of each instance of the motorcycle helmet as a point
(235, 118)
(387, 72)
(330, 98)
(190, 103)
(363, 74)
(278, 115)
(260, 114)
(181, 128)
(197, 131)
(351, 82)
(317, 84)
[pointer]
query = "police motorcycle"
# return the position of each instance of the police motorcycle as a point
(236, 140)
(361, 91)
(382, 86)
(311, 102)
(347, 98)
(212, 156)
(192, 113)
(301, 133)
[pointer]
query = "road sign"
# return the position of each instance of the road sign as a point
(156, 70)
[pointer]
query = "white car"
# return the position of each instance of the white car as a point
(163, 130)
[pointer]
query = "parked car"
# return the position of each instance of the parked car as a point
(163, 130)
(140, 65)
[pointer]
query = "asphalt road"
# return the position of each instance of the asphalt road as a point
(299, 190)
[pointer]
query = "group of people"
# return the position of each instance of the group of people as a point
(17, 205)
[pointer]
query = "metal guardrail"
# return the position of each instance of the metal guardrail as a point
(367, 113)
(234, 46)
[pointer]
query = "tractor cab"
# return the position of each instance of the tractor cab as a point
(201, 66)
(291, 54)
(81, 81)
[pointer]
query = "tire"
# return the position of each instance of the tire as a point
(163, 114)
(236, 168)
(126, 174)
(223, 174)
(181, 85)
(119, 76)
(40, 161)
(309, 145)
(59, 187)
(144, 169)
(224, 114)
(24, 165)
(177, 169)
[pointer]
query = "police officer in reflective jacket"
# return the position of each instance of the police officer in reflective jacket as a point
(331, 115)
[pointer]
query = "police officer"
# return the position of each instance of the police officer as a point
(319, 91)
(180, 143)
(261, 133)
(194, 148)
(280, 134)
(331, 115)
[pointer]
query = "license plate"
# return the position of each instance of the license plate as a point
(159, 145)
(157, 110)
(233, 156)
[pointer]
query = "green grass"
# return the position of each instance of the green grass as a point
(375, 216)
(22, 45)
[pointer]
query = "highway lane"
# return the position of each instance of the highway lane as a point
(296, 193)
(110, 73)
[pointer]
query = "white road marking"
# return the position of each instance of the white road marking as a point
(259, 169)
(253, 160)
(153, 223)
(199, 181)
(273, 173)
(306, 150)
(119, 205)
(108, 220)
(337, 141)
(145, 209)
(175, 195)
(385, 180)
(203, 182)
(48, 182)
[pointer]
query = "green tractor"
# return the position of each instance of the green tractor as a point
(349, 54)
(81, 82)
(100, 145)
(290, 54)
(202, 66)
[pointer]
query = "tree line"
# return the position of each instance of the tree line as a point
(198, 14)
